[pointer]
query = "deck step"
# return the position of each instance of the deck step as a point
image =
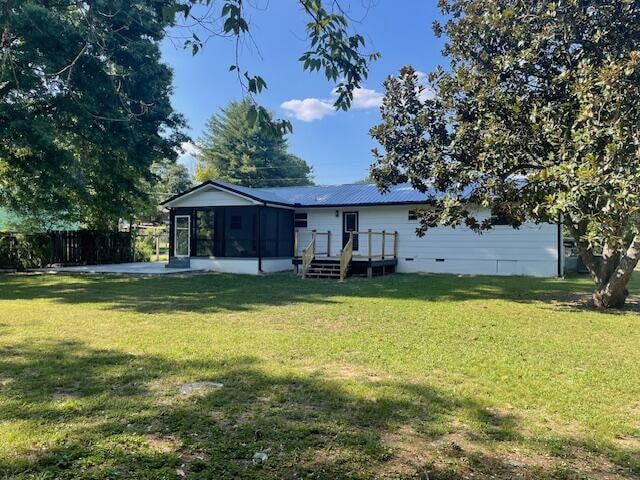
(324, 268)
(179, 262)
(324, 271)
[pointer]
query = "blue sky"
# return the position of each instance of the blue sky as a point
(336, 144)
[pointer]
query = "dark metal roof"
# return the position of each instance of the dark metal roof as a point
(248, 192)
(321, 195)
(264, 195)
(343, 195)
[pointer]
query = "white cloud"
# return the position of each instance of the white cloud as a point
(422, 76)
(311, 109)
(428, 93)
(187, 154)
(189, 148)
(308, 109)
(365, 98)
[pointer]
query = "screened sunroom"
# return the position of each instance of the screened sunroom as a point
(214, 228)
(232, 232)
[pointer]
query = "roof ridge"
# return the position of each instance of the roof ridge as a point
(312, 186)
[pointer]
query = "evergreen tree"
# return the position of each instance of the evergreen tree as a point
(233, 150)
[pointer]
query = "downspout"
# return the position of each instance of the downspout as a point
(259, 234)
(560, 248)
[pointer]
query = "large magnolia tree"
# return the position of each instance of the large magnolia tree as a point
(538, 117)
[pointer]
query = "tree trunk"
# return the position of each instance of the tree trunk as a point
(611, 273)
(614, 293)
(607, 297)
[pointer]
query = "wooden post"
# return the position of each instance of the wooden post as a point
(295, 243)
(369, 233)
(395, 244)
(384, 235)
(328, 243)
(258, 237)
(157, 235)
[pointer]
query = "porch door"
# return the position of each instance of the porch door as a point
(182, 236)
(350, 222)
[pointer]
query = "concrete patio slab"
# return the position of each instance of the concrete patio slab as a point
(140, 268)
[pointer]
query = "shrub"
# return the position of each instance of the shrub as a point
(24, 251)
(144, 248)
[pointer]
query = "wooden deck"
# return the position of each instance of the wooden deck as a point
(313, 257)
(360, 265)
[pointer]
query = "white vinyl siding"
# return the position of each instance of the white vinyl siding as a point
(209, 196)
(530, 250)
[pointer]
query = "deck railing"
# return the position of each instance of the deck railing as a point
(308, 255)
(346, 256)
(322, 241)
(377, 245)
(370, 245)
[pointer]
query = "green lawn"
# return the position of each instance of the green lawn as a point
(406, 376)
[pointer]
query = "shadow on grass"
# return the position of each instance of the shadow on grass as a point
(78, 412)
(210, 293)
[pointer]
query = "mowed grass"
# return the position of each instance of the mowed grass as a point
(405, 376)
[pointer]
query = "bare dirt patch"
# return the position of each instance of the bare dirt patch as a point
(163, 443)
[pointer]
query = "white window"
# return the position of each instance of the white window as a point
(413, 215)
(300, 220)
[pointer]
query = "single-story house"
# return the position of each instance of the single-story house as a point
(342, 229)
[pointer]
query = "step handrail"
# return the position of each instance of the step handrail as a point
(346, 255)
(308, 254)
(298, 239)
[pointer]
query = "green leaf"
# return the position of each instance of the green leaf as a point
(252, 115)
(169, 14)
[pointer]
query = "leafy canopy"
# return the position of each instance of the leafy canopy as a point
(85, 99)
(170, 178)
(538, 117)
(332, 48)
(84, 106)
(233, 150)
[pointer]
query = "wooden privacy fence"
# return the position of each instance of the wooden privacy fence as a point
(84, 247)
(91, 247)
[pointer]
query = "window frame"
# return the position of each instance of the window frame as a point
(304, 220)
